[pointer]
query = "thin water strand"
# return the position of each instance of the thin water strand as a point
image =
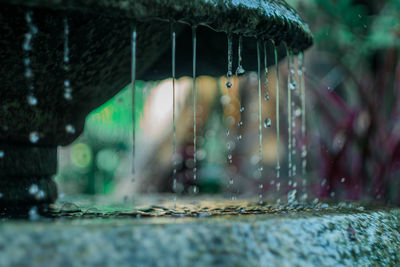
(289, 116)
(278, 164)
(303, 113)
(28, 47)
(133, 82)
(194, 40)
(230, 62)
(266, 82)
(293, 88)
(260, 137)
(229, 85)
(240, 70)
(66, 60)
(173, 54)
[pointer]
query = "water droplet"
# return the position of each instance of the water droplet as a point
(33, 214)
(241, 109)
(267, 123)
(34, 137)
(299, 72)
(261, 186)
(343, 180)
(227, 132)
(174, 184)
(229, 156)
(1, 195)
(40, 195)
(292, 197)
(297, 112)
(230, 59)
(240, 123)
(266, 96)
(239, 137)
(66, 83)
(32, 100)
(231, 181)
(1, 154)
(28, 73)
(257, 174)
(33, 189)
(292, 86)
(27, 61)
(240, 71)
(68, 96)
(70, 208)
(70, 129)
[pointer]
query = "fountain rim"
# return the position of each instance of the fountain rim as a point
(266, 20)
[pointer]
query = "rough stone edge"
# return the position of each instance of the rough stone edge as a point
(366, 239)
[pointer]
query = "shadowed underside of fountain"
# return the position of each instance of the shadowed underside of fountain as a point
(272, 19)
(100, 64)
(100, 54)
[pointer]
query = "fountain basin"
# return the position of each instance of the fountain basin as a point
(314, 237)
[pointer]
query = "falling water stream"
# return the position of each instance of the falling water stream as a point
(194, 41)
(174, 157)
(278, 165)
(240, 70)
(133, 82)
(266, 82)
(29, 75)
(294, 110)
(267, 121)
(289, 115)
(293, 83)
(228, 86)
(301, 73)
(27, 47)
(260, 137)
(67, 84)
(230, 62)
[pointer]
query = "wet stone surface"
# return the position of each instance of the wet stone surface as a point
(204, 233)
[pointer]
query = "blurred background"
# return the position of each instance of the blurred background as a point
(352, 77)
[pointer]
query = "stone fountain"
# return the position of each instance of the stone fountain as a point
(48, 108)
(60, 59)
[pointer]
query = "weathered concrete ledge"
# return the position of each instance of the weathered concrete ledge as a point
(292, 239)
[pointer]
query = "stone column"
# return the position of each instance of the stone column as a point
(26, 176)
